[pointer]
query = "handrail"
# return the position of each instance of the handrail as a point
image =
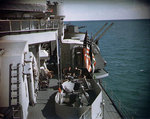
(86, 112)
(10, 26)
(126, 114)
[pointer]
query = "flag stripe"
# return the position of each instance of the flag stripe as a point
(87, 59)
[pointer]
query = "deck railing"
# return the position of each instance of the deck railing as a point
(126, 114)
(7, 26)
(86, 114)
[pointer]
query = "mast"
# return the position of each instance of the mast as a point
(60, 16)
(58, 59)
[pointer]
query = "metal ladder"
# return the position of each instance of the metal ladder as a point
(14, 91)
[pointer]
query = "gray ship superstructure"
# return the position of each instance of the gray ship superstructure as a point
(36, 49)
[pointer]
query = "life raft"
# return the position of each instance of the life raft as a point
(31, 70)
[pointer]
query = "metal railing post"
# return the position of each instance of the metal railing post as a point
(29, 25)
(111, 93)
(53, 24)
(45, 24)
(20, 25)
(39, 24)
(119, 103)
(103, 108)
(10, 26)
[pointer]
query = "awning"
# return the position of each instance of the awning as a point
(101, 74)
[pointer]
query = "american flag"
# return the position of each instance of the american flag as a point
(89, 58)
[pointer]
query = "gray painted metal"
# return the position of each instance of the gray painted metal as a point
(45, 107)
(101, 74)
(68, 112)
(23, 7)
(109, 110)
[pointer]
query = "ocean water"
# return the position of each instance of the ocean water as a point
(126, 48)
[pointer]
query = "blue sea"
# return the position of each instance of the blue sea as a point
(126, 48)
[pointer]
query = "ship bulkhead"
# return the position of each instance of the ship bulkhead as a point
(28, 35)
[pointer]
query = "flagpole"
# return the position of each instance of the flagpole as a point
(58, 59)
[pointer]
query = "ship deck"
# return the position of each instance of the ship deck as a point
(110, 111)
(45, 106)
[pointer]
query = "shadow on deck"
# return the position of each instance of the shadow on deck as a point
(49, 109)
(45, 107)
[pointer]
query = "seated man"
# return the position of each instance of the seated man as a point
(68, 72)
(45, 75)
(77, 72)
(49, 73)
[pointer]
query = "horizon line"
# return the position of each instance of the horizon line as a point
(107, 19)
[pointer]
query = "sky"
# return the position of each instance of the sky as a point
(76, 10)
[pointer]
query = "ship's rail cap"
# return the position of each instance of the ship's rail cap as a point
(26, 25)
(71, 41)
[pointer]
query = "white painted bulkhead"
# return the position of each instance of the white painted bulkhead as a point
(13, 54)
(33, 38)
(15, 47)
(31, 70)
(96, 109)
